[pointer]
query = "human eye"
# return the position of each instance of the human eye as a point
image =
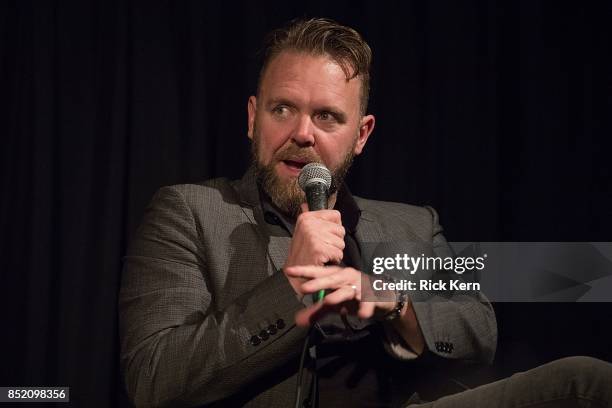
(327, 117)
(281, 111)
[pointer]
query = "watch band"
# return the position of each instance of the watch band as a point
(397, 310)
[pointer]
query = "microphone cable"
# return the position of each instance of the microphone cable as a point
(298, 386)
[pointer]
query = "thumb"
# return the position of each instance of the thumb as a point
(304, 207)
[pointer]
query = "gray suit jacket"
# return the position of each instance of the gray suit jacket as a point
(201, 278)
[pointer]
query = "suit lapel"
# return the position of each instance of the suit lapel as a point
(276, 237)
(368, 231)
(368, 235)
(278, 248)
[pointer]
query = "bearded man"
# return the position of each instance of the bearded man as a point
(215, 301)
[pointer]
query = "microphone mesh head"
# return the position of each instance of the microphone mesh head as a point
(314, 173)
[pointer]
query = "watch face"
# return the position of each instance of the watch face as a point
(395, 313)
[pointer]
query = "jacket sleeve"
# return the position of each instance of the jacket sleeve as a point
(457, 327)
(176, 348)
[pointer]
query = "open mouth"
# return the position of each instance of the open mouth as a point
(294, 164)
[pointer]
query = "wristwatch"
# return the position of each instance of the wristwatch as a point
(399, 306)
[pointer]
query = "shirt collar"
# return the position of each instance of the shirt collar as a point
(345, 203)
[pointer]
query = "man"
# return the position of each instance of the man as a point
(215, 299)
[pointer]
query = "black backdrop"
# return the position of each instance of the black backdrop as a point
(495, 113)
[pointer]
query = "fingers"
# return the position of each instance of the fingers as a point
(318, 239)
(343, 294)
(332, 240)
(366, 310)
(311, 271)
(320, 227)
(341, 301)
(332, 281)
(325, 277)
(339, 231)
(325, 215)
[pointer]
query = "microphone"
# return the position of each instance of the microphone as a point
(315, 179)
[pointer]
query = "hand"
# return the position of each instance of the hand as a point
(318, 239)
(346, 297)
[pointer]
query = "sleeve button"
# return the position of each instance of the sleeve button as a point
(280, 323)
(255, 340)
(264, 335)
(272, 329)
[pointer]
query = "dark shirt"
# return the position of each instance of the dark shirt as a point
(351, 364)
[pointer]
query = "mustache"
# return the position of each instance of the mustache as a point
(298, 154)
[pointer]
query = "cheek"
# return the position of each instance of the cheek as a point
(272, 137)
(333, 148)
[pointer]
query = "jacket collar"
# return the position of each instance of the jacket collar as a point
(246, 188)
(366, 229)
(277, 239)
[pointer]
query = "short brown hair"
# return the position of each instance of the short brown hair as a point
(321, 36)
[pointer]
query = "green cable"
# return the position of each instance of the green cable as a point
(319, 295)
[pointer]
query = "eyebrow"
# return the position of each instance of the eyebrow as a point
(279, 101)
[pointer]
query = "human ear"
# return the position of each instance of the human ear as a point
(366, 126)
(252, 111)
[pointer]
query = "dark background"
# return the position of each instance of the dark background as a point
(495, 113)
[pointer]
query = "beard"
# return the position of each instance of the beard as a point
(287, 196)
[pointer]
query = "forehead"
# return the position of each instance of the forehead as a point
(313, 78)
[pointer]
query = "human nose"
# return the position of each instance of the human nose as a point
(303, 134)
